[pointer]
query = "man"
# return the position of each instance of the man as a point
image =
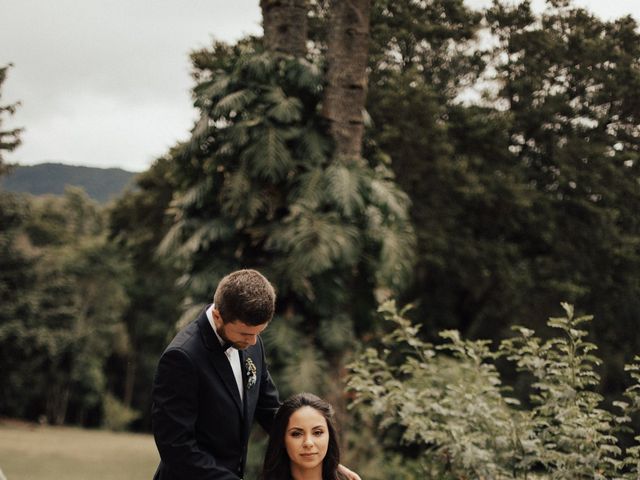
(212, 381)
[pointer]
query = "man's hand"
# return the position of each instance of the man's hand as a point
(348, 473)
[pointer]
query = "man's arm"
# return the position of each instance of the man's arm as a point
(174, 413)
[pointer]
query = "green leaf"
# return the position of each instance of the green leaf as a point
(233, 102)
(268, 156)
(315, 242)
(212, 90)
(345, 188)
(282, 108)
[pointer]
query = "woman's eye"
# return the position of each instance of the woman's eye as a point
(318, 433)
(295, 434)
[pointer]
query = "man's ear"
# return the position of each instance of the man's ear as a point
(217, 318)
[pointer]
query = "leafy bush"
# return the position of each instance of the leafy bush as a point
(116, 415)
(451, 405)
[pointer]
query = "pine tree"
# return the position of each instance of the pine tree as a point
(9, 139)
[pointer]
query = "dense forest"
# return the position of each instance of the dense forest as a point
(482, 166)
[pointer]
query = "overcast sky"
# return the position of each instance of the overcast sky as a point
(106, 82)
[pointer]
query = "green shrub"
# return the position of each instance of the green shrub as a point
(116, 415)
(450, 403)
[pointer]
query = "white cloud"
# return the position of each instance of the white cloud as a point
(106, 82)
(105, 132)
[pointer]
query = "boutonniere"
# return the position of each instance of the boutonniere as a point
(250, 368)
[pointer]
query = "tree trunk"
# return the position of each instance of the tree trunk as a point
(344, 98)
(57, 403)
(285, 26)
(130, 379)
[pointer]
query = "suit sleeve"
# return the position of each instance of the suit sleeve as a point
(174, 413)
(268, 400)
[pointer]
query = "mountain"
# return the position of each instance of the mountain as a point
(101, 184)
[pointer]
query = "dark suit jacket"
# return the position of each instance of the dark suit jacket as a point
(200, 425)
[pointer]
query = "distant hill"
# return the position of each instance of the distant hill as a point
(101, 184)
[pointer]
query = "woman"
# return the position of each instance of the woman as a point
(303, 444)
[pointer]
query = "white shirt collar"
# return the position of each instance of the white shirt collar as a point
(233, 355)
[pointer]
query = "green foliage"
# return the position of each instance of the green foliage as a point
(256, 186)
(565, 78)
(255, 180)
(55, 339)
(524, 188)
(9, 139)
(116, 415)
(137, 223)
(449, 403)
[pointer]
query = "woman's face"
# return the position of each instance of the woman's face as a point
(306, 439)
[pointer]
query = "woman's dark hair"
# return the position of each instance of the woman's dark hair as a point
(277, 465)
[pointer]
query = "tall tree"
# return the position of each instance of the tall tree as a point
(285, 26)
(137, 223)
(17, 271)
(9, 139)
(517, 199)
(423, 55)
(259, 185)
(347, 59)
(54, 353)
(569, 80)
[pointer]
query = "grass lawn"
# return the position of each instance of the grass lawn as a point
(33, 452)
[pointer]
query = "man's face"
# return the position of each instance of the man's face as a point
(238, 334)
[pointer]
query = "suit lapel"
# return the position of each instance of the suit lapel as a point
(243, 356)
(249, 393)
(219, 360)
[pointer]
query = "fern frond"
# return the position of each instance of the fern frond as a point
(172, 239)
(283, 335)
(238, 135)
(207, 233)
(236, 188)
(309, 189)
(336, 333)
(305, 371)
(290, 132)
(195, 196)
(397, 255)
(201, 129)
(208, 92)
(269, 156)
(284, 109)
(315, 242)
(314, 147)
(233, 102)
(257, 68)
(304, 75)
(389, 198)
(345, 188)
(242, 200)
